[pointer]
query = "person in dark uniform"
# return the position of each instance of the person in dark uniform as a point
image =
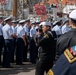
(8, 44)
(66, 47)
(46, 56)
(1, 37)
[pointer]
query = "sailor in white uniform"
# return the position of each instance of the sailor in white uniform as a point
(14, 28)
(21, 43)
(58, 29)
(32, 43)
(8, 44)
(27, 27)
(66, 28)
(27, 32)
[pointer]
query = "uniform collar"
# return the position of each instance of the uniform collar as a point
(8, 25)
(66, 25)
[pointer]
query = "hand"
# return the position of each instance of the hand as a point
(25, 44)
(14, 35)
(36, 44)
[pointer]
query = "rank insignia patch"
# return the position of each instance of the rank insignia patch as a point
(73, 50)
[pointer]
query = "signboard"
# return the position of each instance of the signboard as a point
(40, 9)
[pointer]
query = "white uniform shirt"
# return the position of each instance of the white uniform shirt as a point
(14, 30)
(7, 31)
(17, 25)
(32, 32)
(57, 29)
(20, 31)
(1, 26)
(27, 30)
(65, 29)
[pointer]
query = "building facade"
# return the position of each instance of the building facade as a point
(63, 1)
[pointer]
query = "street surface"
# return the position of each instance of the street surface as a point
(27, 69)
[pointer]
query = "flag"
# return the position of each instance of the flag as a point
(73, 50)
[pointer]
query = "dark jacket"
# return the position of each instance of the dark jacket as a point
(47, 44)
(66, 40)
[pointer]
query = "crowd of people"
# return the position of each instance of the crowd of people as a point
(66, 48)
(38, 39)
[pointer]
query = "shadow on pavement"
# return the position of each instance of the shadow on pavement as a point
(17, 69)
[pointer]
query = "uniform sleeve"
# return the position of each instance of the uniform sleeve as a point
(17, 31)
(63, 30)
(62, 44)
(45, 39)
(22, 32)
(27, 31)
(10, 31)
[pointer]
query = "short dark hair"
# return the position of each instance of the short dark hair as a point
(74, 22)
(39, 29)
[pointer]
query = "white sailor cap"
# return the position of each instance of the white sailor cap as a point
(66, 20)
(18, 20)
(55, 22)
(40, 24)
(27, 20)
(8, 18)
(72, 15)
(22, 21)
(14, 21)
(33, 23)
(37, 22)
(37, 27)
(45, 24)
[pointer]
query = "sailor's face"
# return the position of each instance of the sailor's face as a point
(14, 24)
(67, 23)
(1, 20)
(45, 28)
